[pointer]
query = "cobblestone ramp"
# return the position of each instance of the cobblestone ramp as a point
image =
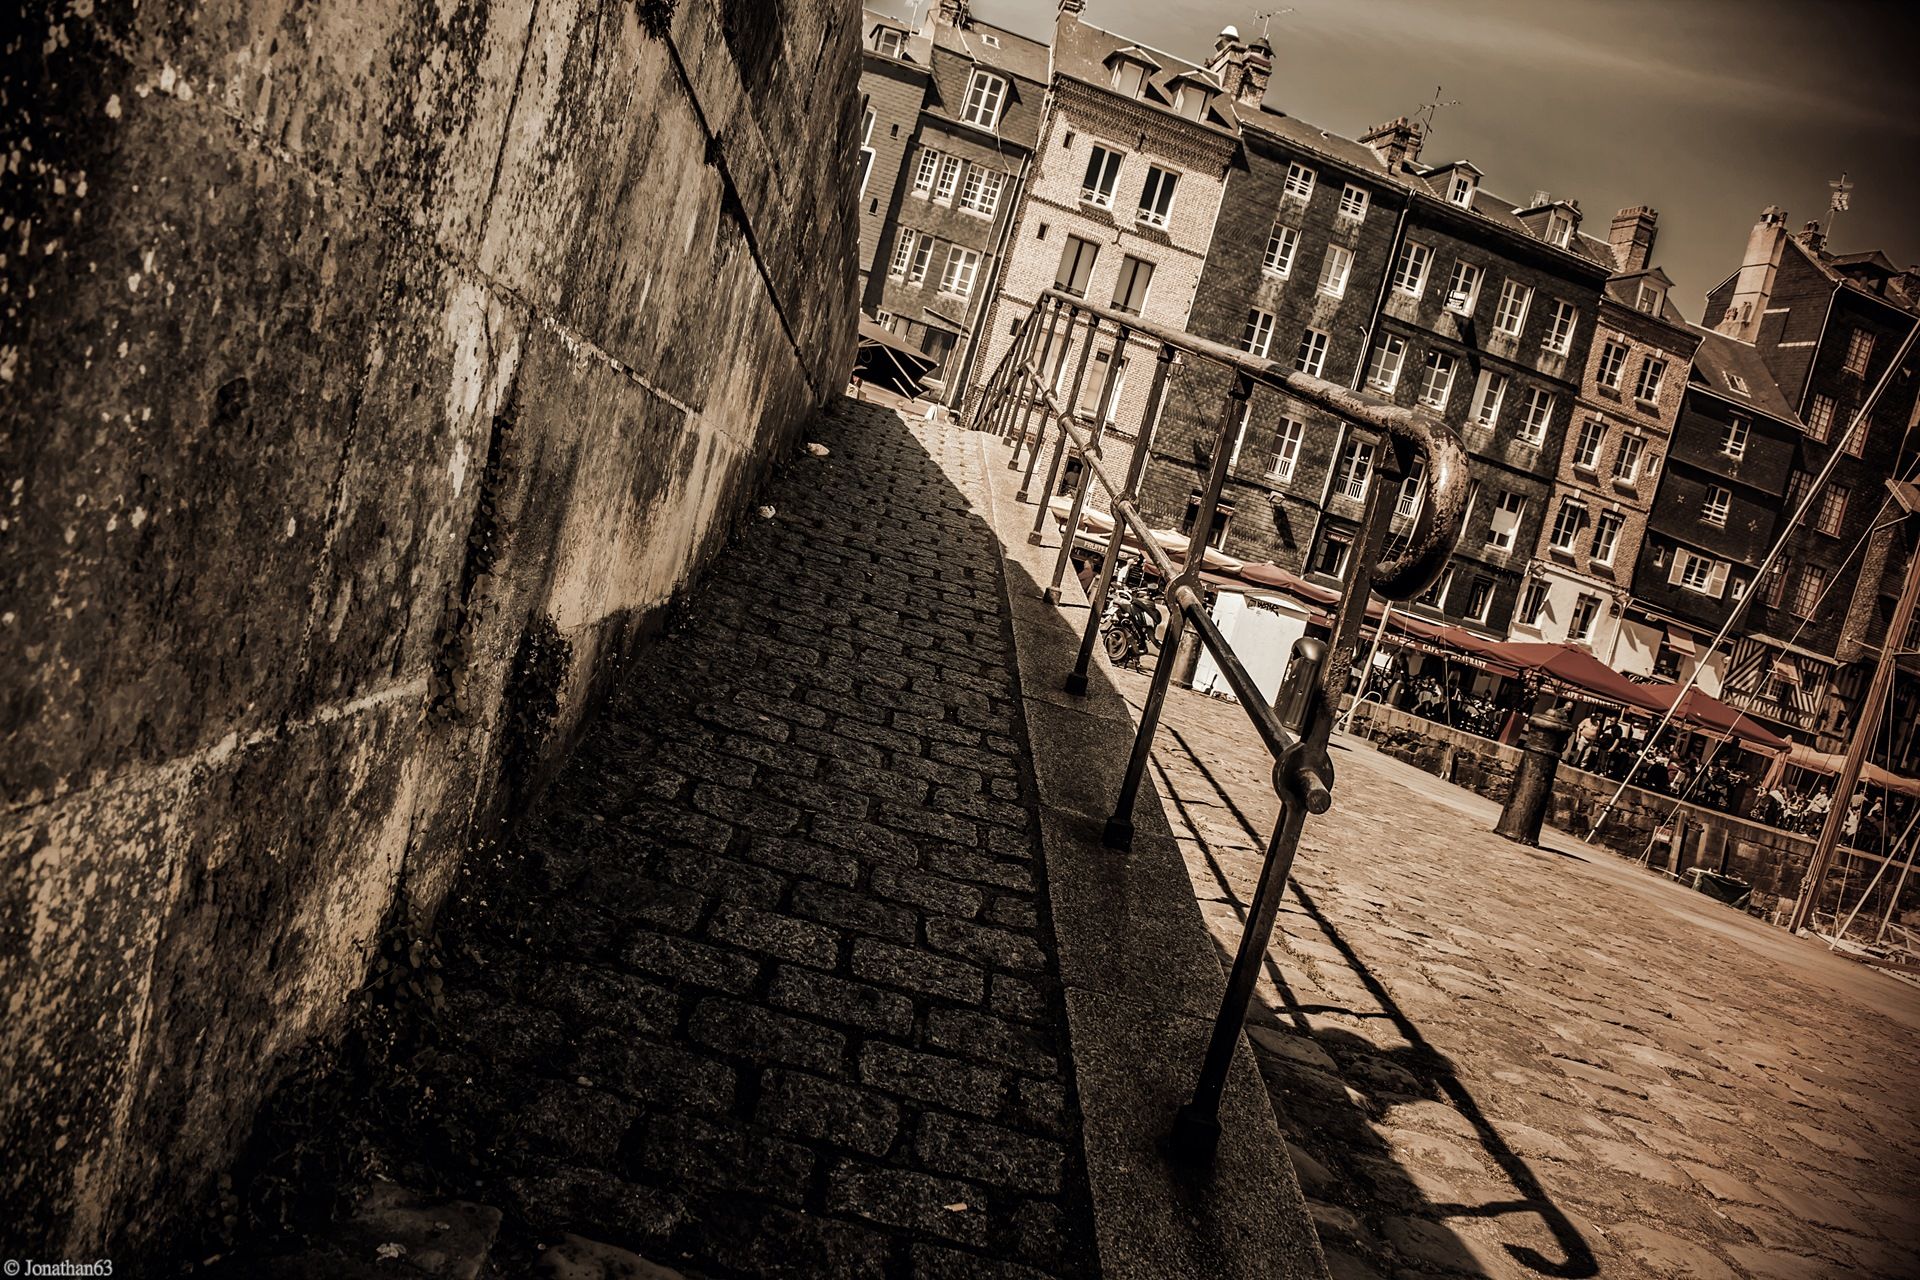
(776, 993)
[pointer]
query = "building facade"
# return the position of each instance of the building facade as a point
(952, 112)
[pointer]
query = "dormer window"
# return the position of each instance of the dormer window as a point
(1559, 229)
(1460, 190)
(886, 42)
(986, 93)
(1647, 298)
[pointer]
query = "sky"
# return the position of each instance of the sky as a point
(1707, 110)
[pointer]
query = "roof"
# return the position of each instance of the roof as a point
(1829, 265)
(1718, 355)
(1081, 50)
(1015, 54)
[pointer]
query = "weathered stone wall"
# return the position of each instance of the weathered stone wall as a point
(372, 376)
(1771, 860)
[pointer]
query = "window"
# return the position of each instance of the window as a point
(1859, 351)
(1799, 485)
(923, 173)
(1606, 537)
(1856, 440)
(1566, 525)
(1736, 384)
(1719, 501)
(1311, 358)
(1504, 529)
(1511, 314)
(1533, 602)
(1820, 416)
(886, 42)
(993, 41)
(1833, 509)
(1440, 588)
(1411, 487)
(1130, 291)
(1493, 389)
(1103, 170)
(1299, 185)
(902, 255)
(1095, 383)
(922, 259)
(1383, 370)
(1533, 424)
(1353, 204)
(1647, 298)
(1156, 197)
(1460, 190)
(1559, 229)
(1586, 609)
(1257, 337)
(1286, 448)
(1355, 469)
(1776, 583)
(866, 167)
(1626, 463)
(1281, 244)
(1807, 590)
(1330, 557)
(962, 266)
(1436, 380)
(1560, 332)
(885, 319)
(1076, 266)
(981, 194)
(1733, 441)
(1335, 269)
(1479, 598)
(1653, 372)
(1222, 517)
(1410, 272)
(949, 178)
(985, 94)
(1463, 288)
(1613, 363)
(1586, 449)
(1700, 574)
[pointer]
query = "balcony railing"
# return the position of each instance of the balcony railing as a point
(1030, 399)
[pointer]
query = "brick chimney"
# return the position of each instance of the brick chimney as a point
(1072, 8)
(1632, 238)
(1244, 69)
(1754, 285)
(1813, 236)
(1396, 142)
(953, 13)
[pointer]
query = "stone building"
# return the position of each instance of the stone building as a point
(1578, 587)
(1121, 202)
(1827, 327)
(1355, 262)
(952, 111)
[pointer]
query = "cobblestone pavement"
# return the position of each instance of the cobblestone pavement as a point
(1547, 1062)
(777, 994)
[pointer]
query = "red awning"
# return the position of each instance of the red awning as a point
(1579, 669)
(1701, 710)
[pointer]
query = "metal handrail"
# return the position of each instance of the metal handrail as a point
(1297, 726)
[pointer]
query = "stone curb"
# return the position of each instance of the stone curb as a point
(1143, 980)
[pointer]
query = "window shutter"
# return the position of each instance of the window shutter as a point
(1717, 579)
(1679, 566)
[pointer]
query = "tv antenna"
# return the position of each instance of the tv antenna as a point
(1264, 18)
(1427, 110)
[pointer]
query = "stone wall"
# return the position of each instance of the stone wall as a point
(372, 377)
(1771, 860)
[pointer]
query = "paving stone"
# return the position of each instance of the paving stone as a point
(855, 912)
(870, 842)
(998, 948)
(760, 1239)
(745, 1030)
(1669, 1255)
(681, 960)
(805, 1106)
(657, 1074)
(929, 892)
(932, 1078)
(774, 934)
(687, 1151)
(988, 1153)
(931, 1263)
(982, 1036)
(918, 971)
(914, 1201)
(836, 1000)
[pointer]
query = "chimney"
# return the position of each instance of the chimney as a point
(953, 13)
(1244, 70)
(1813, 237)
(1396, 142)
(1632, 238)
(1072, 8)
(1754, 285)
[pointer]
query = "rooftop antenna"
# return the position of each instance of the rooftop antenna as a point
(1264, 18)
(1842, 199)
(1426, 111)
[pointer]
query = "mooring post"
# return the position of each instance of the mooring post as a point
(1532, 793)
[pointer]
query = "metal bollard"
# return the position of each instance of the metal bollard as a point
(1547, 735)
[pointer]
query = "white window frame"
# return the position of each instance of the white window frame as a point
(1129, 274)
(1565, 534)
(1627, 463)
(1533, 602)
(1083, 265)
(1821, 413)
(1353, 471)
(1412, 488)
(1460, 189)
(1559, 229)
(922, 259)
(1286, 449)
(1647, 298)
(1106, 161)
(1859, 352)
(1559, 339)
(1718, 503)
(1256, 339)
(1733, 441)
(1607, 528)
(1283, 242)
(926, 171)
(1353, 204)
(1385, 361)
(1613, 364)
(1410, 269)
(1461, 301)
(1436, 379)
(1489, 396)
(980, 193)
(1538, 416)
(1156, 196)
(1310, 357)
(1503, 528)
(1588, 445)
(1335, 270)
(1653, 374)
(1299, 183)
(1510, 316)
(887, 42)
(902, 254)
(1702, 575)
(949, 180)
(1585, 616)
(986, 96)
(1831, 518)
(962, 269)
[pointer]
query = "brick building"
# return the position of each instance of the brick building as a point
(1357, 263)
(952, 111)
(1120, 204)
(1827, 326)
(1578, 588)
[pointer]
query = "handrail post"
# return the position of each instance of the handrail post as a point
(1065, 408)
(1008, 375)
(1119, 832)
(1115, 359)
(1303, 778)
(1027, 400)
(1103, 582)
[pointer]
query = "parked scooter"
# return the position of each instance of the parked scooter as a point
(1133, 624)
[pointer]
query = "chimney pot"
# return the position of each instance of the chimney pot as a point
(1632, 236)
(1395, 142)
(1244, 71)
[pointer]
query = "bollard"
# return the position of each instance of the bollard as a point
(1547, 735)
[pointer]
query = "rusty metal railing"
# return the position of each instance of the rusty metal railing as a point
(1023, 400)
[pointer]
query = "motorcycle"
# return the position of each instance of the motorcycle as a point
(1132, 625)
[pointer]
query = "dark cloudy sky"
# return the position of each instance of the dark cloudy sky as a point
(1708, 110)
